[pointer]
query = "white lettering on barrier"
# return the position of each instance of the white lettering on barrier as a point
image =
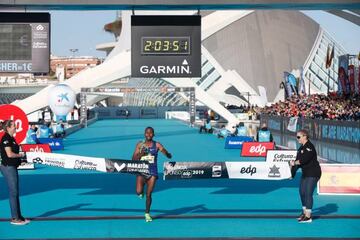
(36, 149)
(260, 149)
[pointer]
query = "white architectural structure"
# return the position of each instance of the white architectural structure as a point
(241, 50)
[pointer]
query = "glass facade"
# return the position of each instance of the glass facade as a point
(317, 73)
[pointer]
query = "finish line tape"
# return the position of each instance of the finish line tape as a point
(88, 163)
(172, 170)
(231, 170)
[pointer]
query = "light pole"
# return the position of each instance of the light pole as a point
(73, 50)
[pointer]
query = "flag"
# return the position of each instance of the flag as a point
(292, 124)
(302, 83)
(351, 72)
(343, 81)
(329, 56)
(263, 96)
(293, 83)
(288, 91)
(339, 179)
(357, 80)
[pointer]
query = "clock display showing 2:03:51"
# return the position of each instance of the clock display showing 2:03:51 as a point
(165, 46)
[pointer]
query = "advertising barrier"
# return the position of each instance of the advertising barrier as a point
(12, 112)
(256, 149)
(54, 143)
(279, 156)
(231, 170)
(339, 179)
(346, 133)
(236, 142)
(36, 148)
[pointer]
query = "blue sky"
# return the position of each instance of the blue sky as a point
(84, 30)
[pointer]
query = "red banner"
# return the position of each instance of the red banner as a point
(256, 149)
(352, 78)
(358, 81)
(12, 112)
(339, 179)
(36, 148)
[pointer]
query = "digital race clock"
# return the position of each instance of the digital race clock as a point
(166, 46)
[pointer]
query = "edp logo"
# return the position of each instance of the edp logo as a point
(249, 170)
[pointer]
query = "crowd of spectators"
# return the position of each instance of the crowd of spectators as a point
(317, 106)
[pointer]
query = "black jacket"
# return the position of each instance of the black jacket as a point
(8, 141)
(308, 160)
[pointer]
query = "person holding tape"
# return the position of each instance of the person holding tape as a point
(147, 150)
(241, 130)
(45, 131)
(11, 160)
(1, 128)
(264, 134)
(306, 159)
(31, 137)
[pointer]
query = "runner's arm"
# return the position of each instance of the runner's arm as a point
(136, 154)
(163, 150)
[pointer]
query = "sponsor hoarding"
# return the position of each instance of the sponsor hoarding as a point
(236, 142)
(256, 149)
(54, 143)
(36, 148)
(12, 112)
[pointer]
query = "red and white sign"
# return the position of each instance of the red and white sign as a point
(36, 148)
(256, 149)
(12, 112)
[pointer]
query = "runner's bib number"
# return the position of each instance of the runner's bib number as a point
(148, 158)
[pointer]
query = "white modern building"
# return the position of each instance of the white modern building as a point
(252, 50)
(241, 50)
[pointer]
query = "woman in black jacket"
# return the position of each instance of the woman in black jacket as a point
(10, 161)
(306, 159)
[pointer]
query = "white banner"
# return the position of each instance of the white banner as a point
(279, 156)
(258, 170)
(185, 116)
(67, 161)
(241, 116)
(263, 96)
(292, 124)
